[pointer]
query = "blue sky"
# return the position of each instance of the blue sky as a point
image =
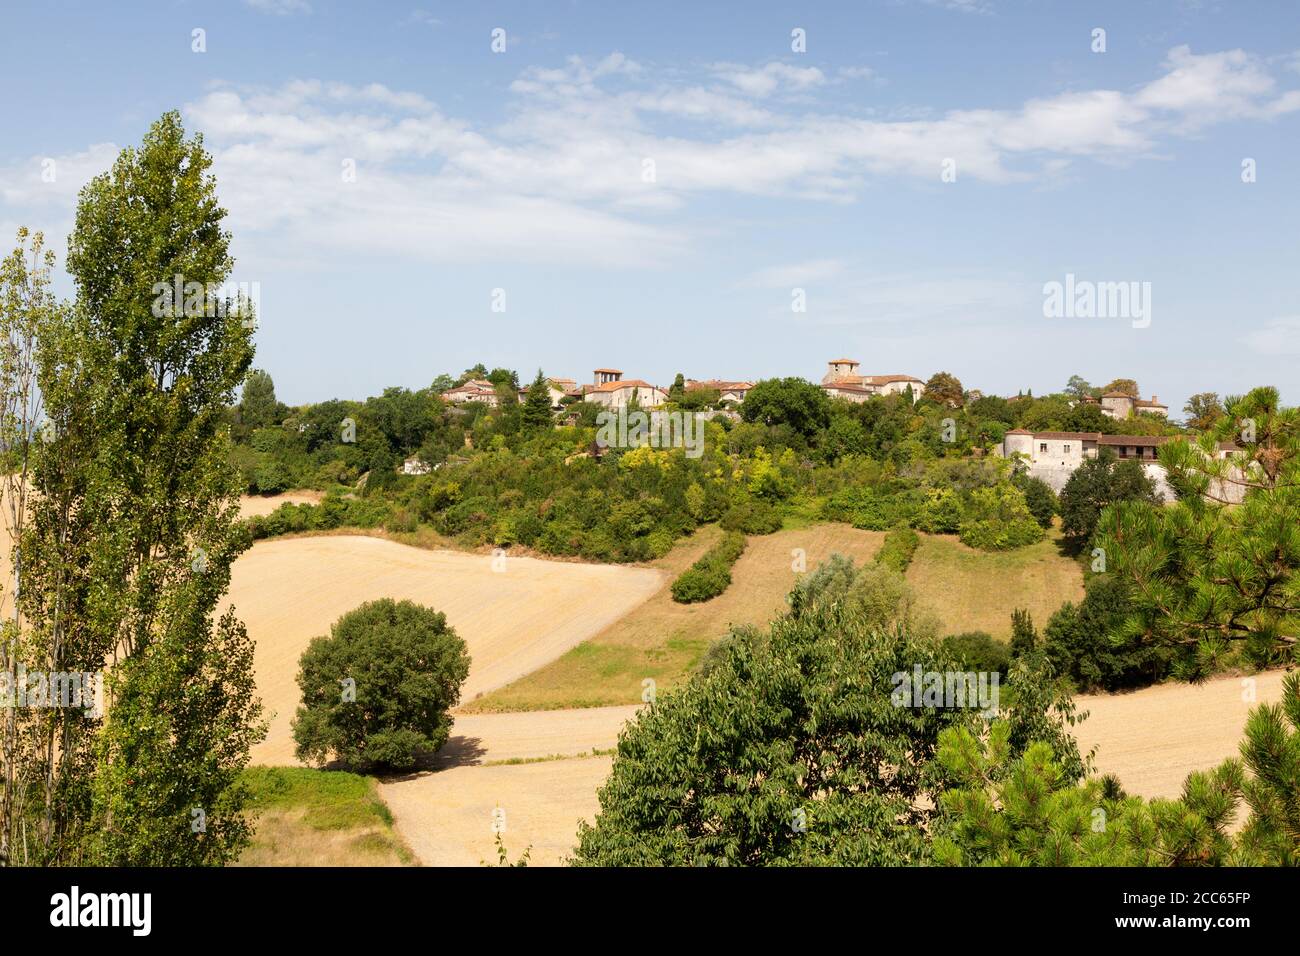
(773, 170)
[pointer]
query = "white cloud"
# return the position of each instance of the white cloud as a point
(593, 160)
(768, 79)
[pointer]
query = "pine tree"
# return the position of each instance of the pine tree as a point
(537, 406)
(1209, 576)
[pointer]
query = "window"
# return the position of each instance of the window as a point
(1042, 446)
(1067, 449)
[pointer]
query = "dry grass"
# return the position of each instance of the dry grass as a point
(663, 640)
(974, 590)
(255, 505)
(317, 818)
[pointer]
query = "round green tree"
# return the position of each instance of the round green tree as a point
(379, 688)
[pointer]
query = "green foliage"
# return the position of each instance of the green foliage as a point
(998, 519)
(537, 407)
(1039, 498)
(1003, 810)
(711, 574)
(257, 405)
(1087, 642)
(1095, 485)
(795, 402)
(788, 749)
(978, 651)
(1024, 636)
(898, 548)
(1208, 579)
(131, 489)
(1027, 811)
(752, 517)
(406, 664)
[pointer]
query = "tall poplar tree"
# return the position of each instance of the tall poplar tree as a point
(134, 518)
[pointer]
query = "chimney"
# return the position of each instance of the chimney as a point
(1155, 399)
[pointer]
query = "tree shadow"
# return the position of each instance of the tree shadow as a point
(459, 751)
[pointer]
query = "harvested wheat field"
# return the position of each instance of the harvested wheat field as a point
(514, 620)
(256, 505)
(1153, 738)
(507, 761)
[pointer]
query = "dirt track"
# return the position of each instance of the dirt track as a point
(513, 620)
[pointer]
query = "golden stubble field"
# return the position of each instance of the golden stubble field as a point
(513, 620)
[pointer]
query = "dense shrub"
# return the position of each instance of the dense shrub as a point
(898, 548)
(997, 519)
(1039, 498)
(404, 666)
(711, 574)
(978, 651)
(752, 517)
(1086, 642)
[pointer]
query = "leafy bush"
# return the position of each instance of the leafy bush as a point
(997, 519)
(978, 651)
(1039, 498)
(1087, 642)
(711, 574)
(752, 517)
(898, 548)
(403, 665)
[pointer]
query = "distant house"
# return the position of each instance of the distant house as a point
(1121, 405)
(727, 391)
(415, 465)
(475, 390)
(613, 391)
(558, 389)
(842, 380)
(1054, 456)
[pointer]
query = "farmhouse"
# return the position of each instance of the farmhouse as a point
(1121, 405)
(475, 390)
(1054, 456)
(843, 381)
(613, 391)
(727, 391)
(558, 389)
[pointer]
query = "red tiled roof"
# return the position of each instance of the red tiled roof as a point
(845, 362)
(615, 386)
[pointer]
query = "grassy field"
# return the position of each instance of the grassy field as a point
(663, 640)
(317, 818)
(976, 590)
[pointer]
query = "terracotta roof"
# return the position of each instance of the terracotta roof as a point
(1118, 395)
(615, 386)
(1019, 431)
(840, 385)
(693, 385)
(844, 362)
(1149, 404)
(616, 371)
(1074, 436)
